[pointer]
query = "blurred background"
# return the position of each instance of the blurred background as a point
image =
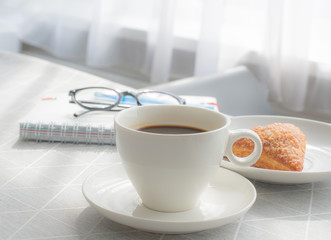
(284, 43)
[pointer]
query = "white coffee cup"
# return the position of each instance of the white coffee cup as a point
(171, 171)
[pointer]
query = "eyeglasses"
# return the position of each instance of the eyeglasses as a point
(107, 99)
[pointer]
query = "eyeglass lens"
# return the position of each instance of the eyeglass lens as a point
(97, 97)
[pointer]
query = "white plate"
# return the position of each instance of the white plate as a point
(317, 165)
(228, 197)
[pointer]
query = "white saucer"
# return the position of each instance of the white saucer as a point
(228, 197)
(317, 164)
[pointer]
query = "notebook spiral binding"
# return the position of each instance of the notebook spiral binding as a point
(65, 133)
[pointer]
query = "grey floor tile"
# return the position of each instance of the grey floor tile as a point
(43, 226)
(175, 237)
(60, 174)
(29, 178)
(251, 233)
(319, 228)
(262, 187)
(70, 197)
(22, 158)
(82, 219)
(321, 201)
(281, 228)
(265, 208)
(298, 200)
(227, 231)
(7, 174)
(106, 226)
(10, 204)
(323, 184)
(11, 222)
(125, 236)
(86, 173)
(55, 158)
(35, 197)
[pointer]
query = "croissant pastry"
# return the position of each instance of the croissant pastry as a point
(284, 147)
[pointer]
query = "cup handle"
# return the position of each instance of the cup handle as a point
(250, 159)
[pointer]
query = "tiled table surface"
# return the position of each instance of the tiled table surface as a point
(40, 183)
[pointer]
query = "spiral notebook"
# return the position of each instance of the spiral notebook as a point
(52, 120)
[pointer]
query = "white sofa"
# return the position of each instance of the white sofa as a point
(237, 91)
(9, 39)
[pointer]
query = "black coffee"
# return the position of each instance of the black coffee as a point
(171, 129)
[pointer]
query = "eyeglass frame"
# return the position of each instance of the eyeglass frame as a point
(72, 94)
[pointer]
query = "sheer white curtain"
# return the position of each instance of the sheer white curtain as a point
(284, 42)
